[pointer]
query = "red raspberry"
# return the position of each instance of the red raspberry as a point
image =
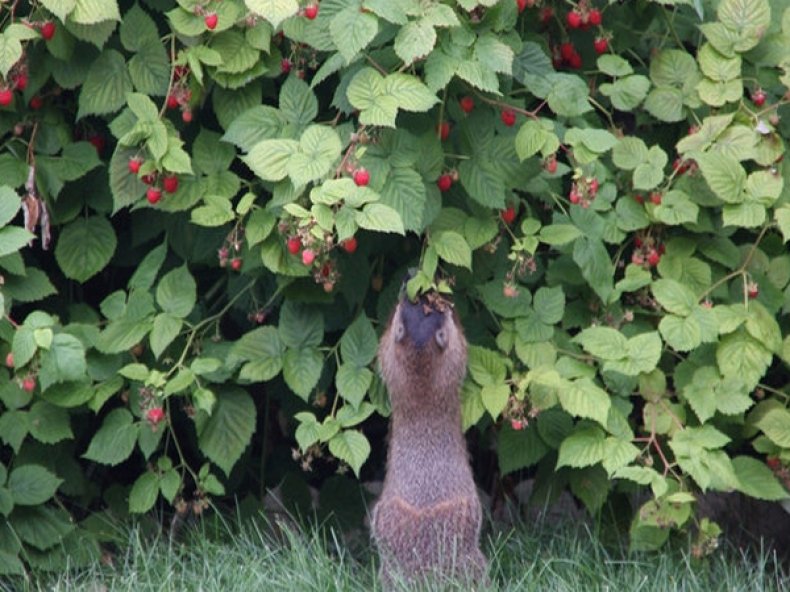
(567, 50)
(36, 102)
(311, 11)
(517, 424)
(29, 384)
(48, 30)
(444, 182)
(574, 19)
(155, 415)
(594, 17)
(6, 96)
(758, 97)
(361, 177)
(349, 245)
(186, 115)
(20, 82)
(172, 101)
(508, 215)
(170, 183)
(308, 256)
(467, 104)
(444, 130)
(575, 61)
(601, 45)
(294, 245)
(655, 197)
(153, 195)
(134, 165)
(9, 360)
(653, 258)
(285, 65)
(752, 290)
(508, 117)
(551, 165)
(236, 263)
(211, 20)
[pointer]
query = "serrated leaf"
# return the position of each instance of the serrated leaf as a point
(724, 175)
(10, 53)
(12, 239)
(302, 369)
(274, 11)
(756, 480)
(31, 485)
(352, 30)
(85, 247)
(165, 329)
(353, 382)
(415, 41)
(91, 12)
(453, 248)
(106, 85)
(114, 441)
(352, 447)
(775, 424)
(228, 431)
(319, 150)
(144, 492)
(583, 398)
(582, 448)
(520, 449)
(359, 342)
(495, 397)
(63, 362)
(269, 159)
(176, 292)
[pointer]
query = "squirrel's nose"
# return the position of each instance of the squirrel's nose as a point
(421, 323)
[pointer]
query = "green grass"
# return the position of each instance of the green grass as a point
(539, 557)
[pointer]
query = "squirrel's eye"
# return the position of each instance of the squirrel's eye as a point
(441, 338)
(400, 331)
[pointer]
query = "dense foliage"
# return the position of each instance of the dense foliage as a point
(208, 208)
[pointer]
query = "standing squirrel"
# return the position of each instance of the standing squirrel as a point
(427, 520)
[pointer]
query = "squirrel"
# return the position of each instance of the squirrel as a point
(427, 521)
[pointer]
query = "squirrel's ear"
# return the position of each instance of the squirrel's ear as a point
(441, 338)
(400, 331)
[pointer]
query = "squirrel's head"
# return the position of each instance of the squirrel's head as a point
(423, 349)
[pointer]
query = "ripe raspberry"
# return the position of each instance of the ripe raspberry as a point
(773, 463)
(574, 19)
(508, 215)
(752, 290)
(575, 61)
(211, 20)
(522, 4)
(186, 115)
(308, 256)
(508, 117)
(48, 30)
(36, 102)
(574, 196)
(467, 104)
(551, 165)
(9, 360)
(758, 97)
(134, 165)
(444, 130)
(594, 17)
(155, 415)
(601, 45)
(285, 65)
(639, 198)
(170, 183)
(6, 96)
(172, 101)
(567, 50)
(361, 177)
(592, 186)
(637, 258)
(349, 245)
(311, 11)
(153, 195)
(546, 14)
(653, 257)
(294, 245)
(29, 384)
(236, 263)
(655, 198)
(148, 179)
(517, 424)
(509, 291)
(21, 80)
(444, 182)
(98, 142)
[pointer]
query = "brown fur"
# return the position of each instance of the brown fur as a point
(427, 521)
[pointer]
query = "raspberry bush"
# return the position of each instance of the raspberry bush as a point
(208, 207)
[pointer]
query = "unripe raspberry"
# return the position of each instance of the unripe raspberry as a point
(9, 360)
(29, 384)
(236, 263)
(155, 415)
(308, 256)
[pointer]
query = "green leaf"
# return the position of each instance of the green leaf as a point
(617, 454)
(49, 424)
(568, 96)
(359, 342)
(165, 329)
(414, 41)
(741, 355)
(261, 122)
(520, 449)
(263, 350)
(379, 98)
(495, 397)
(605, 343)
(91, 12)
(300, 325)
(9, 205)
(302, 369)
(353, 382)
(549, 304)
(10, 53)
(274, 11)
(63, 362)
(665, 104)
(642, 355)
(676, 208)
(775, 424)
(42, 527)
(269, 159)
(756, 480)
(380, 217)
(31, 485)
(85, 247)
(486, 366)
(530, 139)
(583, 398)
(114, 441)
(592, 257)
(352, 447)
(319, 150)
(748, 18)
(453, 248)
(724, 175)
(228, 431)
(144, 492)
(674, 296)
(352, 30)
(12, 239)
(681, 333)
(106, 85)
(629, 153)
(236, 55)
(584, 447)
(176, 293)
